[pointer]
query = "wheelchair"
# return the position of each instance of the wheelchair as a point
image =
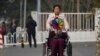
(67, 49)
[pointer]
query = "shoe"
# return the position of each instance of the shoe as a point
(30, 45)
(35, 45)
(14, 45)
(22, 45)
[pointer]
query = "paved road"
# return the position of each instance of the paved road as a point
(79, 49)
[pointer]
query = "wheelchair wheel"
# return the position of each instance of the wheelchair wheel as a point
(69, 49)
(48, 52)
(44, 49)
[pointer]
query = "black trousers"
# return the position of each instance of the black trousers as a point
(30, 36)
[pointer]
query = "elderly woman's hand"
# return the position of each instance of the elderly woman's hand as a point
(57, 31)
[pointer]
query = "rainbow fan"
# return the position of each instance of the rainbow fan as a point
(57, 23)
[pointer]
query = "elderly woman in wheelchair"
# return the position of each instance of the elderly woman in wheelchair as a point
(57, 26)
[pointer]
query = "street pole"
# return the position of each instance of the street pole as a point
(78, 6)
(38, 14)
(25, 13)
(78, 17)
(39, 18)
(21, 2)
(38, 5)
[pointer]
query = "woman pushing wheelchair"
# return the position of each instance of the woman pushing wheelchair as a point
(57, 26)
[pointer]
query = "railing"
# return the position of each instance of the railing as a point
(77, 21)
(82, 28)
(15, 38)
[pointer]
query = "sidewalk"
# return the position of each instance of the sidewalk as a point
(79, 49)
(1, 52)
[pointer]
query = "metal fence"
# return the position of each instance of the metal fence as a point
(77, 21)
(82, 28)
(16, 38)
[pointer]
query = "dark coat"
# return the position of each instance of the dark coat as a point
(31, 25)
(13, 29)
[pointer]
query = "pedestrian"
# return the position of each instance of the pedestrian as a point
(57, 36)
(13, 27)
(1, 31)
(4, 30)
(31, 30)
